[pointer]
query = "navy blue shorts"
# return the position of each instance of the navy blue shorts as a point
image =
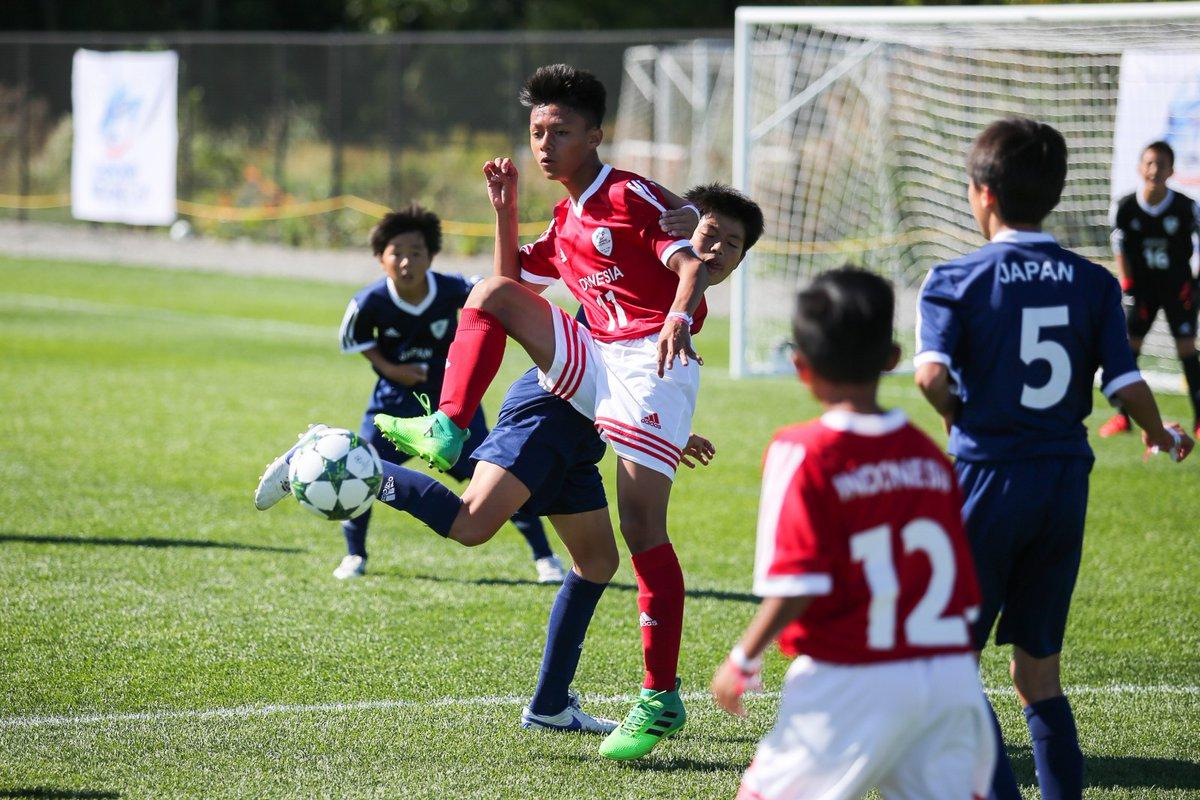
(1024, 520)
(411, 408)
(548, 446)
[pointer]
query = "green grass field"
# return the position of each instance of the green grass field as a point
(161, 638)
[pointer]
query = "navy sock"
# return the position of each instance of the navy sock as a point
(1004, 782)
(1191, 372)
(1056, 753)
(531, 528)
(355, 531)
(421, 496)
(569, 619)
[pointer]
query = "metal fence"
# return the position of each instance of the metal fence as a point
(274, 128)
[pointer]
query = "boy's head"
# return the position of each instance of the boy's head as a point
(1017, 168)
(730, 224)
(405, 242)
(1157, 164)
(566, 109)
(843, 327)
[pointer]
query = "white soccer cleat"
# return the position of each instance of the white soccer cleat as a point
(351, 567)
(273, 484)
(549, 570)
(571, 719)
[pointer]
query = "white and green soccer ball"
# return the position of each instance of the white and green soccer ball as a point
(336, 475)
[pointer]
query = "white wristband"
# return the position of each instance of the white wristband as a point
(740, 660)
(683, 315)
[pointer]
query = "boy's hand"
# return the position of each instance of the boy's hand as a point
(1172, 441)
(675, 341)
(731, 682)
(698, 448)
(680, 222)
(501, 176)
(408, 374)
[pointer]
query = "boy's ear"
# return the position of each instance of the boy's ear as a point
(893, 358)
(595, 136)
(803, 369)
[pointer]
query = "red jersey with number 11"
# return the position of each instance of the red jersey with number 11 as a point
(611, 253)
(862, 513)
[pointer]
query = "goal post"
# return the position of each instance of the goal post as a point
(851, 127)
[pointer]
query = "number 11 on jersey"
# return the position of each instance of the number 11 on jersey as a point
(620, 320)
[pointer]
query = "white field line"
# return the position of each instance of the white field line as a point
(227, 323)
(244, 712)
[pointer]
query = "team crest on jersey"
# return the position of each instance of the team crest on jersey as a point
(438, 327)
(602, 238)
(1136, 224)
(1170, 225)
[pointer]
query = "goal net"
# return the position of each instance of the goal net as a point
(851, 128)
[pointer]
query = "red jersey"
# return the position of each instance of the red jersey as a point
(610, 251)
(862, 512)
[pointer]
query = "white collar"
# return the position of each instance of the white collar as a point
(865, 424)
(1154, 210)
(1012, 236)
(591, 190)
(408, 307)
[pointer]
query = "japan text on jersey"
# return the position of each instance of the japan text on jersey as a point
(611, 253)
(1022, 325)
(1156, 240)
(404, 333)
(862, 513)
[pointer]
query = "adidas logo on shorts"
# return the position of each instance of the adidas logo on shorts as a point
(651, 419)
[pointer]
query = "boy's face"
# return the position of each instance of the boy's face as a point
(406, 259)
(562, 140)
(719, 240)
(1155, 167)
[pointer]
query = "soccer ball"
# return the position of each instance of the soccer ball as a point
(336, 475)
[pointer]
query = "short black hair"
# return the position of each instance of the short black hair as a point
(726, 200)
(562, 84)
(404, 220)
(1163, 149)
(1024, 164)
(843, 324)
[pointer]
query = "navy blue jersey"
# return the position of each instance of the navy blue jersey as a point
(1157, 241)
(1023, 324)
(405, 333)
(548, 446)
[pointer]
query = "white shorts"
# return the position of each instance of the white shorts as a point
(646, 419)
(913, 729)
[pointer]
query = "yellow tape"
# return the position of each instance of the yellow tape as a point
(309, 208)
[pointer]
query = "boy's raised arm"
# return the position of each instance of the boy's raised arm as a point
(501, 176)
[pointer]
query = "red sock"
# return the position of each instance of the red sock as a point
(472, 363)
(660, 600)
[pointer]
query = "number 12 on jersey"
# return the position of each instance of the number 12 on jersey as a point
(924, 626)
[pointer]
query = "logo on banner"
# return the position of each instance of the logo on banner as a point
(438, 327)
(602, 238)
(119, 123)
(1170, 225)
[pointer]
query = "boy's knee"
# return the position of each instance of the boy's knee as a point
(1035, 679)
(598, 569)
(471, 534)
(491, 293)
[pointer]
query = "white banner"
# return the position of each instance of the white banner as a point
(123, 161)
(1158, 98)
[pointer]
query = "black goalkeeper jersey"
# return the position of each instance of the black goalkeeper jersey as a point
(1156, 242)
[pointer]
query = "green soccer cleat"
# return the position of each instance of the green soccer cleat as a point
(656, 716)
(434, 439)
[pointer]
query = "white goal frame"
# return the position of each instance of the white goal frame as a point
(747, 17)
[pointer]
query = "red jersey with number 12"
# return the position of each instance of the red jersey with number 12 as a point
(862, 513)
(610, 251)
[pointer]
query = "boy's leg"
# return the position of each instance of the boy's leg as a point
(355, 530)
(588, 537)
(642, 496)
(1035, 619)
(496, 309)
(1190, 360)
(529, 525)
